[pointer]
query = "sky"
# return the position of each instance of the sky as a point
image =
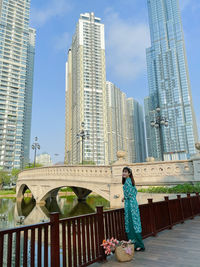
(127, 37)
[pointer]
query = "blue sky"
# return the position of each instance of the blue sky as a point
(127, 36)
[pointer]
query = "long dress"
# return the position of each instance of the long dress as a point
(133, 226)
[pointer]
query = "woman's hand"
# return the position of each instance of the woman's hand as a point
(123, 199)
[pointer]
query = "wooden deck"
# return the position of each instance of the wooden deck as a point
(177, 247)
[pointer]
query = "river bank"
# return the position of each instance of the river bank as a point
(4, 194)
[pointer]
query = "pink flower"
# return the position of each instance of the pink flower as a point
(128, 250)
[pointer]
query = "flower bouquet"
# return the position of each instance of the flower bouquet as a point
(109, 245)
(124, 250)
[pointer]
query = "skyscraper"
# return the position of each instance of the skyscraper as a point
(17, 47)
(125, 126)
(86, 94)
(136, 132)
(117, 121)
(148, 125)
(169, 85)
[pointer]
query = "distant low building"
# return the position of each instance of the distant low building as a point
(44, 159)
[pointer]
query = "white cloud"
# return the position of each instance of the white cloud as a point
(55, 8)
(126, 43)
(63, 42)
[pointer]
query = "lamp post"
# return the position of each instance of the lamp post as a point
(22, 162)
(83, 135)
(35, 146)
(158, 123)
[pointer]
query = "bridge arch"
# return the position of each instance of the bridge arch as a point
(80, 191)
(21, 191)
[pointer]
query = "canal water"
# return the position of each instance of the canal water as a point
(11, 211)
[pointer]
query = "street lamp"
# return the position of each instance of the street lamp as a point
(22, 162)
(35, 146)
(158, 123)
(83, 135)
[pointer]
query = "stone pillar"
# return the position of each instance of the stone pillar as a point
(196, 163)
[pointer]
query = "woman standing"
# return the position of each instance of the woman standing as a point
(132, 214)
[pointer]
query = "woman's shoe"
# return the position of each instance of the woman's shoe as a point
(139, 249)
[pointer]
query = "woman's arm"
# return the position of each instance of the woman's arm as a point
(132, 191)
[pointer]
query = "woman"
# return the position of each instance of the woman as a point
(132, 214)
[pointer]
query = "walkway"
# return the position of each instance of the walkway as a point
(177, 247)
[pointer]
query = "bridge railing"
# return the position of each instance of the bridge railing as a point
(76, 241)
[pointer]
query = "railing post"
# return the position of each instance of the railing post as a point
(1, 249)
(188, 196)
(169, 211)
(181, 208)
(55, 243)
(197, 194)
(152, 216)
(101, 230)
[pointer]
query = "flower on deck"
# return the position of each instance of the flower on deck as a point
(109, 245)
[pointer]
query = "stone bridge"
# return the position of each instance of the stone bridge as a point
(104, 180)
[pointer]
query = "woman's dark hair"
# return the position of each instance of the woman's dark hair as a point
(130, 175)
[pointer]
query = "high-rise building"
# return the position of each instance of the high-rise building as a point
(136, 132)
(86, 94)
(125, 126)
(169, 85)
(116, 121)
(17, 47)
(148, 125)
(44, 159)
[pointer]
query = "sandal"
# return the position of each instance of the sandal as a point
(139, 249)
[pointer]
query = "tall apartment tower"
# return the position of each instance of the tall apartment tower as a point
(136, 132)
(148, 126)
(169, 85)
(86, 94)
(117, 121)
(125, 126)
(17, 48)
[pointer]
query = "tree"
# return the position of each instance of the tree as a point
(15, 172)
(4, 178)
(31, 165)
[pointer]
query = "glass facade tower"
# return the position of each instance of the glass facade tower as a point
(169, 85)
(17, 48)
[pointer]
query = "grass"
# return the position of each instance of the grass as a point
(178, 189)
(7, 192)
(7, 197)
(66, 189)
(69, 197)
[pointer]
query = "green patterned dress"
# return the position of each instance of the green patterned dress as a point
(132, 214)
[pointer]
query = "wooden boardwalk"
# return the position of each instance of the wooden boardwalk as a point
(177, 247)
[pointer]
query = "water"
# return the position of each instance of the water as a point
(10, 210)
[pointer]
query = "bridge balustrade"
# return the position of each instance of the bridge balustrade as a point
(76, 241)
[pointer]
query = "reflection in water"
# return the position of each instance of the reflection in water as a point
(25, 206)
(66, 206)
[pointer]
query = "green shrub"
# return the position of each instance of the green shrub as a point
(178, 189)
(66, 189)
